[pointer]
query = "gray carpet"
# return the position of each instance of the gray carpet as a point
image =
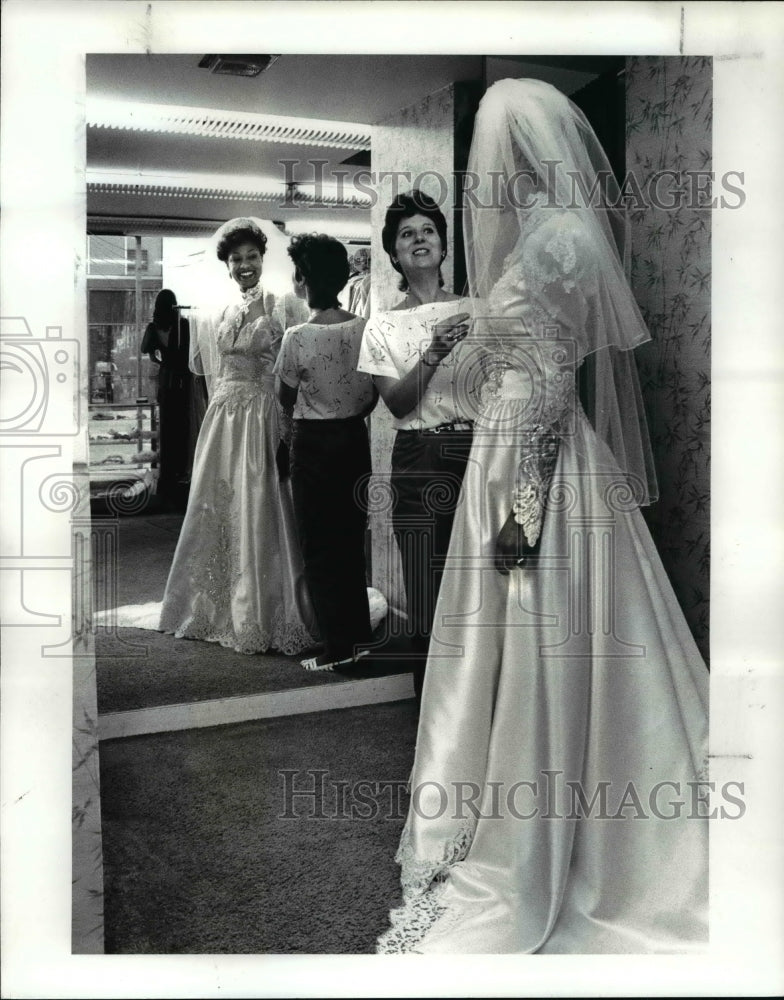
(198, 858)
(145, 549)
(136, 668)
(141, 669)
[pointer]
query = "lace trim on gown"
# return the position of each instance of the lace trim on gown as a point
(235, 395)
(423, 883)
(287, 637)
(534, 473)
(540, 442)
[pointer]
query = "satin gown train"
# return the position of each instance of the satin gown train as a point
(563, 731)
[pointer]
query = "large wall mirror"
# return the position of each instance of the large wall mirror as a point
(176, 146)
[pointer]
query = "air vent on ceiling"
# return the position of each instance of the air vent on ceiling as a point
(359, 159)
(238, 65)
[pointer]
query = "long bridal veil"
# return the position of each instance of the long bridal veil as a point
(534, 155)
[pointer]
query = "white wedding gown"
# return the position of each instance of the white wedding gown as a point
(575, 674)
(237, 573)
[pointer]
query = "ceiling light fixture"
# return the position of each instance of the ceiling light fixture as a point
(196, 185)
(210, 122)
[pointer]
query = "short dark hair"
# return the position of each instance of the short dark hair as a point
(322, 262)
(236, 232)
(405, 206)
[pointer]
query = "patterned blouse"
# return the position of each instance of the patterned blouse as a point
(321, 362)
(391, 346)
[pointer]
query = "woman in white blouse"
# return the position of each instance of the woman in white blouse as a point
(330, 464)
(410, 350)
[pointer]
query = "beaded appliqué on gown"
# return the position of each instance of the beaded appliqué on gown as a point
(234, 395)
(548, 361)
(539, 452)
(215, 574)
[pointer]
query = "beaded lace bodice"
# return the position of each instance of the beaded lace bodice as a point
(246, 355)
(536, 311)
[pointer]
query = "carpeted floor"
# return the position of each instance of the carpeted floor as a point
(168, 671)
(199, 857)
(136, 668)
(145, 548)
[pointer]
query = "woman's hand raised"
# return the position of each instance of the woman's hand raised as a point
(446, 335)
(402, 396)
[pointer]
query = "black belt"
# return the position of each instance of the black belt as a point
(454, 426)
(328, 421)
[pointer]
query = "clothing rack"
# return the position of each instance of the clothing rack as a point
(358, 285)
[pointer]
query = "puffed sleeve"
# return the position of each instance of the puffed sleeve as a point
(276, 320)
(554, 267)
(276, 336)
(286, 365)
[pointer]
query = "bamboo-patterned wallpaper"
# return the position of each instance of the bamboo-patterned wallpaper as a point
(669, 127)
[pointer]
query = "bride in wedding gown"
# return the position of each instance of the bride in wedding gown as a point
(555, 794)
(237, 576)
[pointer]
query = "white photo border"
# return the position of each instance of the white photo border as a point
(42, 249)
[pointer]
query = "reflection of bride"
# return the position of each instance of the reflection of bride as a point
(551, 808)
(237, 575)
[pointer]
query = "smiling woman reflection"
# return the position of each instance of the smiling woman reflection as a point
(413, 353)
(237, 575)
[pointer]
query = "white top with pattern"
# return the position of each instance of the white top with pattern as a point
(320, 360)
(391, 346)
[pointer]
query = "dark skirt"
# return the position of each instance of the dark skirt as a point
(330, 467)
(427, 476)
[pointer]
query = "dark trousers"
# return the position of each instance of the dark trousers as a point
(330, 465)
(427, 473)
